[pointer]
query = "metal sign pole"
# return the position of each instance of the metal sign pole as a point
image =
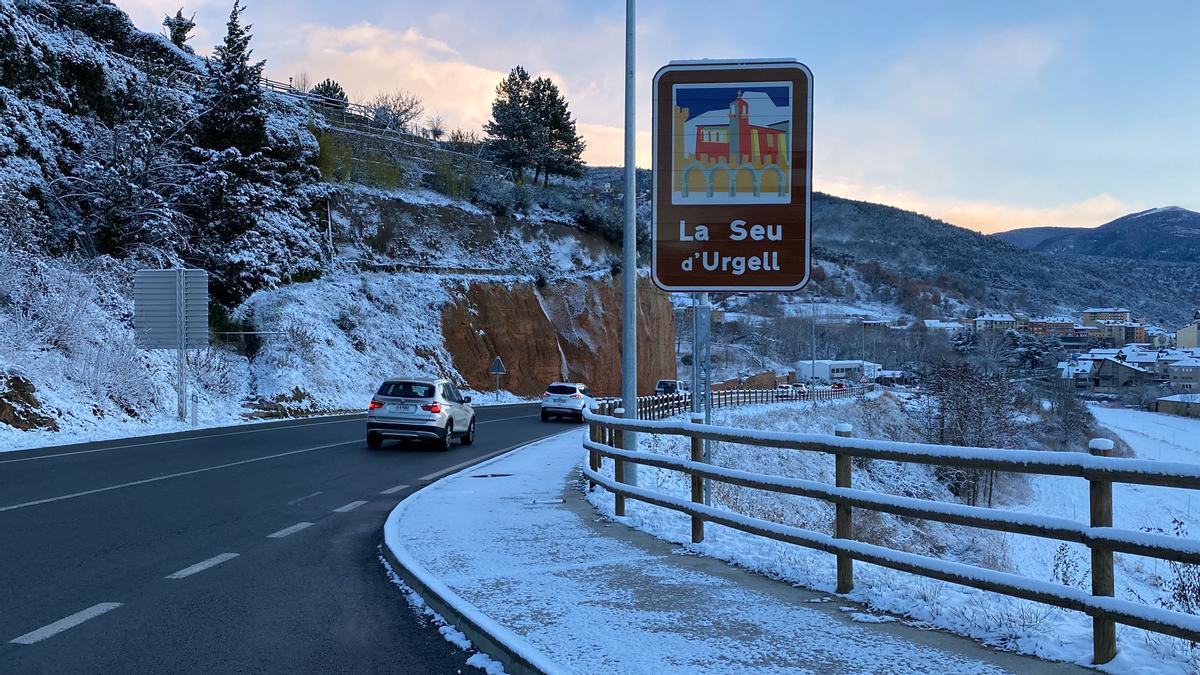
(705, 341)
(629, 265)
(181, 332)
(696, 403)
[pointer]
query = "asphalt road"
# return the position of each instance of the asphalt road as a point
(248, 549)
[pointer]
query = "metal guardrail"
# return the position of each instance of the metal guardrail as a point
(1099, 468)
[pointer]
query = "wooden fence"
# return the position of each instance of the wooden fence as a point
(662, 406)
(1098, 467)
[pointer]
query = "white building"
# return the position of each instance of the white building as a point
(831, 369)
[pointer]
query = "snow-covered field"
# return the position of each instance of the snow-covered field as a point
(991, 618)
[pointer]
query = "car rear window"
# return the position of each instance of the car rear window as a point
(407, 389)
(562, 389)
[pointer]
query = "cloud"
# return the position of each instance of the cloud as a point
(988, 216)
(366, 59)
(606, 145)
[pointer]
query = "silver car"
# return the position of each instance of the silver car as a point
(420, 409)
(566, 399)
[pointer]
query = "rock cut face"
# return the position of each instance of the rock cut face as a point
(561, 331)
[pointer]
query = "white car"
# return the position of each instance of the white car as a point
(420, 409)
(566, 399)
(670, 387)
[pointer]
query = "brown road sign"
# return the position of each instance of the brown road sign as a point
(732, 175)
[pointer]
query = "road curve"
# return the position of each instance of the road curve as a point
(250, 548)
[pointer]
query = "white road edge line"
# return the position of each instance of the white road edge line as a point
(393, 490)
(348, 507)
(292, 529)
(469, 462)
(202, 565)
(169, 440)
(66, 623)
(169, 476)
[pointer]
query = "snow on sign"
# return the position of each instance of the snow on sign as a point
(732, 175)
(170, 309)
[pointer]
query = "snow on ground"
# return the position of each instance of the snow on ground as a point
(994, 619)
(571, 593)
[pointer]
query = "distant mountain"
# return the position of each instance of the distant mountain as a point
(1168, 234)
(989, 272)
(1030, 237)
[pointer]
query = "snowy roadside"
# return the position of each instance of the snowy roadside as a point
(993, 619)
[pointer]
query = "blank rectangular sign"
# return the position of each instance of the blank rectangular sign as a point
(158, 297)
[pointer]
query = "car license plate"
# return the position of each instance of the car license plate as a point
(401, 407)
(559, 399)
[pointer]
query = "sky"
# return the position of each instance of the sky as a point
(989, 115)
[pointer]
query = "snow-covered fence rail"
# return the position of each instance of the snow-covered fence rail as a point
(1099, 468)
(661, 406)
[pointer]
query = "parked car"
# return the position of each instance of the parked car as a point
(422, 410)
(800, 390)
(566, 399)
(671, 387)
(838, 386)
(784, 392)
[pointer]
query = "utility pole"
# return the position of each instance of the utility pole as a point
(629, 265)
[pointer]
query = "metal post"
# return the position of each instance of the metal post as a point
(1104, 631)
(629, 265)
(843, 526)
(195, 409)
(705, 334)
(497, 386)
(619, 466)
(696, 401)
(698, 486)
(181, 336)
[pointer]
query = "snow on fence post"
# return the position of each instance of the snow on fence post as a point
(1104, 631)
(619, 469)
(697, 481)
(596, 435)
(843, 526)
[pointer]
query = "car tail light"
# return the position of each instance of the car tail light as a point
(576, 395)
(375, 405)
(432, 407)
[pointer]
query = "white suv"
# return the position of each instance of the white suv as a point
(420, 409)
(566, 399)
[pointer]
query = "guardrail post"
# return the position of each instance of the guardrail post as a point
(619, 469)
(843, 526)
(1104, 631)
(595, 434)
(697, 482)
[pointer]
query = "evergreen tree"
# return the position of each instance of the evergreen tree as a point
(235, 117)
(179, 28)
(511, 129)
(332, 91)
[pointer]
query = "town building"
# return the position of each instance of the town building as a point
(1187, 405)
(1059, 326)
(995, 322)
(938, 324)
(1121, 333)
(1092, 316)
(1188, 337)
(1184, 374)
(833, 369)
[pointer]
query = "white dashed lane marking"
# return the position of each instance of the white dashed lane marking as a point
(66, 623)
(201, 566)
(393, 490)
(289, 530)
(348, 507)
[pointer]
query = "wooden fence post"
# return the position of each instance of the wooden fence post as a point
(619, 469)
(594, 434)
(1104, 631)
(697, 481)
(843, 526)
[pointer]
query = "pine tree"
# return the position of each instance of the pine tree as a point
(179, 28)
(332, 91)
(511, 129)
(235, 117)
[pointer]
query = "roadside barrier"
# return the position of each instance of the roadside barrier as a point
(1099, 468)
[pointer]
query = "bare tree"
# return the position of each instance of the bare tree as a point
(301, 81)
(436, 126)
(397, 110)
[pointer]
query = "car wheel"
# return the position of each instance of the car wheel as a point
(469, 437)
(374, 440)
(545, 417)
(447, 437)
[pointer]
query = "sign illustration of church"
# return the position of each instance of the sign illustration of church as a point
(731, 143)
